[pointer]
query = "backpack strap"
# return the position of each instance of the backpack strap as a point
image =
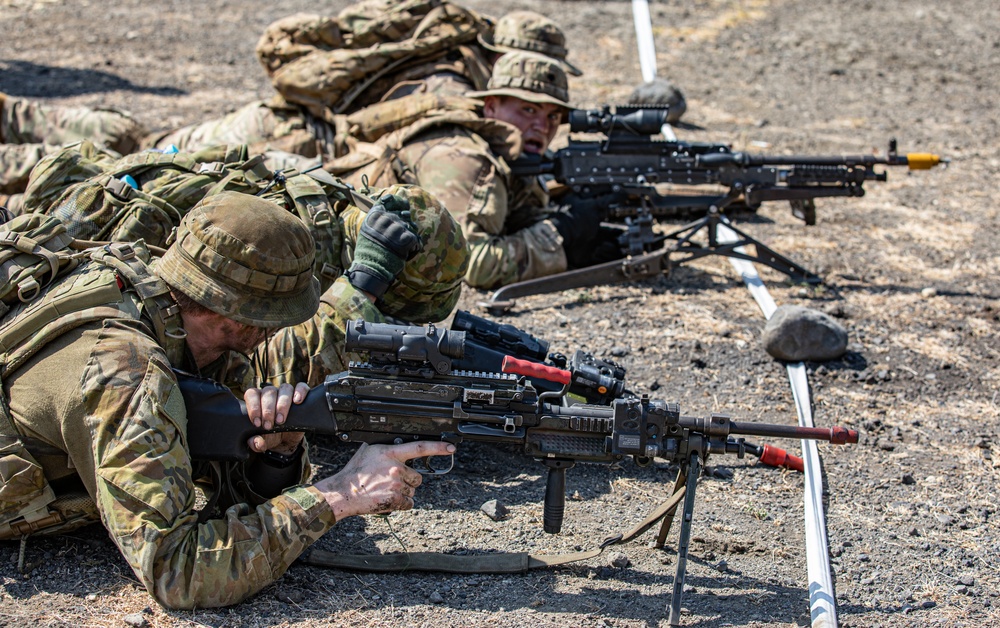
(157, 303)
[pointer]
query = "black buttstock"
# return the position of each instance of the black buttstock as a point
(219, 428)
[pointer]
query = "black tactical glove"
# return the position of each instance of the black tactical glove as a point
(578, 223)
(606, 247)
(388, 238)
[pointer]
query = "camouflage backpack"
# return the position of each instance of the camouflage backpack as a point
(143, 196)
(376, 163)
(35, 250)
(338, 65)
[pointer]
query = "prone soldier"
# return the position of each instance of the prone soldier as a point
(109, 440)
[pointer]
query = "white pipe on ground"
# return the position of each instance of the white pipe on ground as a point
(822, 599)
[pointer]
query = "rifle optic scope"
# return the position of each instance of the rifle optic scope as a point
(638, 121)
(406, 343)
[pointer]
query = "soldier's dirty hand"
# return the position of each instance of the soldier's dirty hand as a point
(388, 238)
(268, 407)
(377, 480)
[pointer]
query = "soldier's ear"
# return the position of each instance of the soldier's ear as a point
(490, 106)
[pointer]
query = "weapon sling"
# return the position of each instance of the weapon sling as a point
(492, 563)
(509, 562)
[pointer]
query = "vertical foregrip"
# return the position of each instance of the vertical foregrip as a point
(555, 500)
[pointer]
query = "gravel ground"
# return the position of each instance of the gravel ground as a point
(910, 270)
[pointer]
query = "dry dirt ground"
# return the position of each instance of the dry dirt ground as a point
(911, 270)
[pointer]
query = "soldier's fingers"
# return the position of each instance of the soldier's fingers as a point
(421, 449)
(268, 404)
(284, 403)
(252, 399)
(301, 390)
(257, 444)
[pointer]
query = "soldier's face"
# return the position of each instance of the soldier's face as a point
(538, 122)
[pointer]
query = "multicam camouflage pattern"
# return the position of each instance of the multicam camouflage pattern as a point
(44, 128)
(263, 126)
(430, 284)
(314, 349)
(503, 217)
(341, 65)
(245, 258)
(78, 186)
(527, 30)
(120, 426)
(16, 162)
(528, 76)
(63, 168)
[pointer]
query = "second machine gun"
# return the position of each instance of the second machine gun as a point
(623, 168)
(408, 391)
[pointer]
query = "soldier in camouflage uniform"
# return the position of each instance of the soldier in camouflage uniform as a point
(304, 120)
(463, 160)
(99, 407)
(426, 289)
(30, 130)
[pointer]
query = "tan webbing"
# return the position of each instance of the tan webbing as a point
(486, 563)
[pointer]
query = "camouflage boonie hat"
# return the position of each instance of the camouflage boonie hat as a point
(528, 76)
(527, 30)
(428, 288)
(244, 258)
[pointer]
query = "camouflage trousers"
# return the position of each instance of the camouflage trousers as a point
(264, 126)
(29, 130)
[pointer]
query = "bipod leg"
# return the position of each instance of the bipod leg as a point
(694, 468)
(668, 519)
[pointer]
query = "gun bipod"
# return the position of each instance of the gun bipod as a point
(686, 250)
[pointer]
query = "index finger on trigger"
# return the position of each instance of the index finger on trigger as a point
(422, 449)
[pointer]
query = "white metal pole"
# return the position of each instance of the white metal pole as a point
(647, 51)
(822, 600)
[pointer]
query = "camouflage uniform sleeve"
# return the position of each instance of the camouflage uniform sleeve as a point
(310, 351)
(509, 239)
(143, 486)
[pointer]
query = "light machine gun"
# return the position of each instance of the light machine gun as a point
(408, 391)
(580, 377)
(622, 170)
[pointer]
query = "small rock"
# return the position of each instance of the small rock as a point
(796, 334)
(962, 590)
(290, 596)
(928, 293)
(136, 620)
(945, 520)
(494, 510)
(619, 560)
(620, 351)
(908, 479)
(435, 598)
(968, 580)
(928, 604)
(863, 558)
(722, 473)
(722, 566)
(914, 532)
